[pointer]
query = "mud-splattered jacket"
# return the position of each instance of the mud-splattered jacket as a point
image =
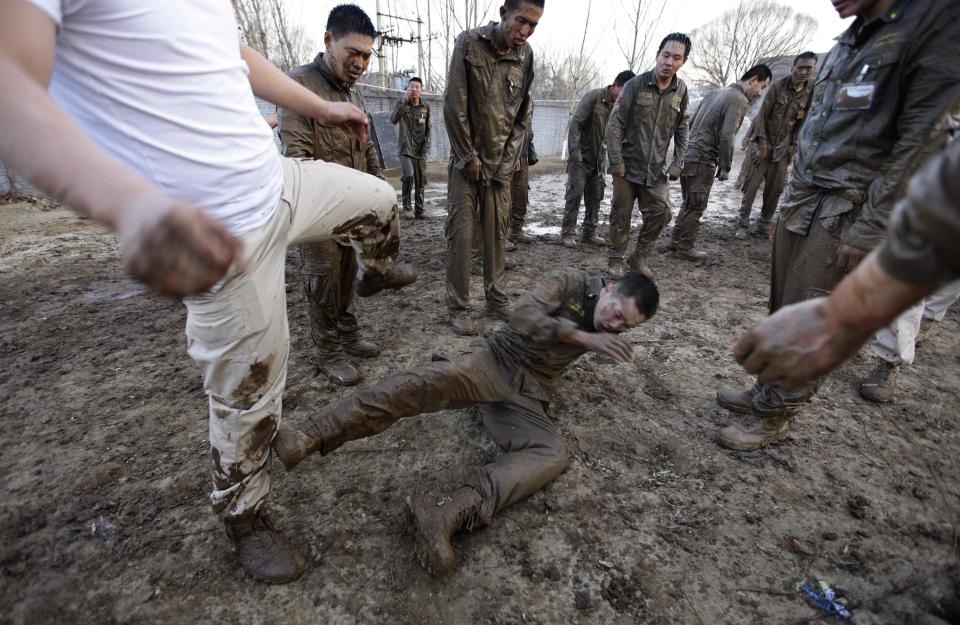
(413, 132)
(563, 301)
(305, 137)
(781, 115)
(714, 127)
(876, 100)
(921, 246)
(587, 136)
(487, 103)
(642, 123)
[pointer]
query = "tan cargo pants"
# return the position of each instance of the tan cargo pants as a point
(654, 207)
(237, 332)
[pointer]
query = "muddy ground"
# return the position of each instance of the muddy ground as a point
(104, 466)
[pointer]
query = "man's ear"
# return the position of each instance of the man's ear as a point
(503, 11)
(327, 40)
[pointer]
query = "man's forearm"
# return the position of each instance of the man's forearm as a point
(53, 153)
(272, 85)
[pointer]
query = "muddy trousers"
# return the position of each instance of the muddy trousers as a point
(654, 208)
(327, 270)
(468, 202)
(237, 332)
(412, 178)
(534, 453)
(773, 177)
(695, 184)
(584, 182)
(804, 267)
(519, 197)
(897, 343)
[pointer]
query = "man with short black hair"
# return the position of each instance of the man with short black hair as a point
(710, 153)
(586, 158)
(772, 142)
(413, 143)
(328, 267)
(651, 111)
(487, 108)
(510, 376)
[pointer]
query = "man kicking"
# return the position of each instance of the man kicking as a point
(511, 375)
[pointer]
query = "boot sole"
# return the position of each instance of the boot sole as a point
(744, 447)
(412, 527)
(737, 408)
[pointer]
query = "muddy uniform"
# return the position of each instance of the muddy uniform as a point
(520, 185)
(713, 131)
(487, 112)
(511, 376)
(329, 267)
(876, 100)
(413, 143)
(587, 149)
(641, 125)
(778, 123)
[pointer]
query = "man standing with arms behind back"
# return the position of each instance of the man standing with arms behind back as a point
(328, 267)
(651, 111)
(413, 143)
(587, 155)
(710, 153)
(487, 112)
(773, 141)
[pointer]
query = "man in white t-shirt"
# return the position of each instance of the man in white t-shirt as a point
(152, 130)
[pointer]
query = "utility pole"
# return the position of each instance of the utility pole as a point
(382, 60)
(387, 39)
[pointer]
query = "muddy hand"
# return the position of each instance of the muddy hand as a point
(795, 345)
(612, 345)
(174, 248)
(849, 257)
(350, 117)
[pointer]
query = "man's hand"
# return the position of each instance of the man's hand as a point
(849, 257)
(797, 344)
(406, 94)
(674, 171)
(472, 170)
(347, 115)
(612, 345)
(722, 175)
(174, 248)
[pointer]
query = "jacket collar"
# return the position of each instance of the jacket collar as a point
(324, 68)
(486, 32)
(650, 78)
(860, 32)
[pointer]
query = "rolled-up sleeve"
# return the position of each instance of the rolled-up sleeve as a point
(923, 239)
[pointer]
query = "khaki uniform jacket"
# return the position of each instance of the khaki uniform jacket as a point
(865, 148)
(305, 137)
(413, 132)
(642, 123)
(587, 137)
(563, 301)
(781, 116)
(714, 127)
(487, 106)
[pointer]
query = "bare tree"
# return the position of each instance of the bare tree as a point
(267, 27)
(727, 46)
(637, 34)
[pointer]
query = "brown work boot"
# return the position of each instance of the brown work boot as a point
(615, 268)
(755, 433)
(433, 523)
(263, 551)
(881, 384)
(509, 264)
(569, 241)
(293, 445)
(740, 402)
(360, 348)
(398, 276)
(773, 403)
(638, 263)
(690, 254)
(519, 236)
(509, 246)
(592, 238)
(341, 372)
(463, 324)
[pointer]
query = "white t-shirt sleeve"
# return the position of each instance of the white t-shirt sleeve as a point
(53, 8)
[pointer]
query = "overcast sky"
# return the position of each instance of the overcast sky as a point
(561, 27)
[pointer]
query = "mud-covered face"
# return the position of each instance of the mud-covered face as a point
(518, 24)
(864, 8)
(755, 87)
(348, 56)
(803, 71)
(670, 60)
(614, 312)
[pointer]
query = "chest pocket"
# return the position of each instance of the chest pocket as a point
(480, 67)
(333, 144)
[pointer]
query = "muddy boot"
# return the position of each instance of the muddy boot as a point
(500, 312)
(396, 277)
(462, 324)
(519, 236)
(926, 327)
(509, 246)
(319, 434)
(509, 264)
(340, 371)
(740, 402)
(407, 184)
(690, 254)
(881, 384)
(263, 551)
(773, 403)
(355, 346)
(569, 241)
(638, 263)
(433, 523)
(592, 238)
(755, 433)
(761, 228)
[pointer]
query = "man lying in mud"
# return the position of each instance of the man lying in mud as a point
(511, 376)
